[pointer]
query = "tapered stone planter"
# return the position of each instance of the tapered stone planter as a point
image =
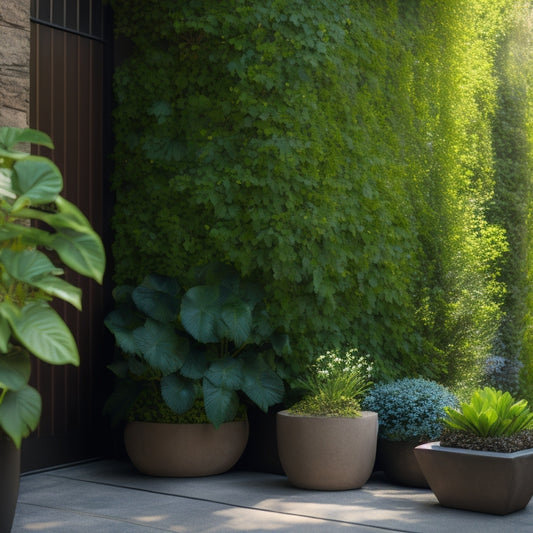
(185, 450)
(9, 481)
(398, 462)
(487, 482)
(327, 453)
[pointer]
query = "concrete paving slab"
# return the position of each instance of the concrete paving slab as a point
(112, 496)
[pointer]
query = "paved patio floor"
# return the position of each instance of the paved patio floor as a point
(110, 496)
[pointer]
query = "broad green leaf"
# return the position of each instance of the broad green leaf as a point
(119, 368)
(158, 297)
(27, 265)
(37, 180)
(122, 322)
(34, 268)
(261, 384)
(9, 231)
(12, 155)
(83, 252)
(138, 367)
(28, 235)
(5, 335)
(6, 189)
(9, 137)
(69, 216)
(42, 331)
(60, 288)
(236, 323)
(15, 369)
(160, 346)
(195, 364)
(226, 373)
(200, 312)
(281, 343)
(20, 412)
(122, 294)
(179, 394)
(261, 327)
(221, 405)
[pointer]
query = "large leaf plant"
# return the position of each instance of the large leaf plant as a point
(212, 342)
(34, 217)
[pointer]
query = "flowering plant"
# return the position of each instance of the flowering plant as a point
(335, 385)
(409, 409)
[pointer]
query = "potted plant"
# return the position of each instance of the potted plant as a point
(484, 460)
(325, 441)
(30, 189)
(201, 353)
(410, 412)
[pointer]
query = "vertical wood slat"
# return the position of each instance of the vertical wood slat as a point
(67, 103)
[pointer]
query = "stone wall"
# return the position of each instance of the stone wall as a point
(14, 63)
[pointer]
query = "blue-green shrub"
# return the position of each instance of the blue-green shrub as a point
(409, 409)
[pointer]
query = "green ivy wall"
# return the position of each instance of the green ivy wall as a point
(342, 154)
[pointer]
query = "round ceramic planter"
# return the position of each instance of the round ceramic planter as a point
(398, 462)
(327, 453)
(185, 450)
(9, 481)
(486, 482)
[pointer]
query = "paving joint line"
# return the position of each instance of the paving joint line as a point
(207, 500)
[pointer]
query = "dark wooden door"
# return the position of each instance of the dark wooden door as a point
(69, 98)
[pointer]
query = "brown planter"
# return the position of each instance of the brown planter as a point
(184, 450)
(487, 482)
(9, 481)
(399, 464)
(327, 453)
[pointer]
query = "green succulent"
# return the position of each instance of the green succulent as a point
(490, 413)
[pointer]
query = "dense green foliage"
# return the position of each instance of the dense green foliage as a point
(409, 409)
(339, 153)
(513, 202)
(211, 342)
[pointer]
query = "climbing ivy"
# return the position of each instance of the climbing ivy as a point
(339, 153)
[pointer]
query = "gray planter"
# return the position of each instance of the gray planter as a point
(185, 450)
(327, 453)
(486, 482)
(398, 462)
(9, 481)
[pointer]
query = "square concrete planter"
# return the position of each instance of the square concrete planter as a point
(486, 482)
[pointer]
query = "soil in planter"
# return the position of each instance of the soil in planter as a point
(461, 439)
